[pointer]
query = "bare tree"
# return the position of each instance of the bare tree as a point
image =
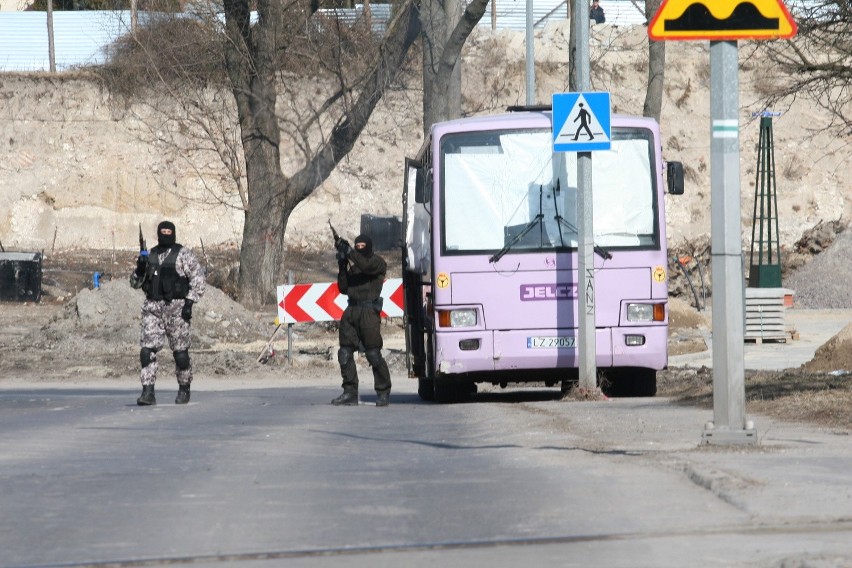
(572, 50)
(816, 65)
(445, 29)
(310, 135)
(251, 55)
(656, 68)
(171, 73)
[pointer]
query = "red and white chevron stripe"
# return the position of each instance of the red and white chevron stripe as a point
(300, 303)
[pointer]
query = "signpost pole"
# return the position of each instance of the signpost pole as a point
(530, 39)
(729, 425)
(290, 327)
(585, 251)
(771, 20)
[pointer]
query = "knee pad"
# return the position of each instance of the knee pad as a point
(145, 356)
(182, 360)
(374, 357)
(344, 356)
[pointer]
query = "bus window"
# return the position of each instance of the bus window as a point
(508, 188)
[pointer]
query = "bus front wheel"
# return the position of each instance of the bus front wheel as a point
(426, 389)
(630, 382)
(453, 391)
(426, 385)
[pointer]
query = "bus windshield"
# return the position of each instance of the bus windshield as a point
(508, 187)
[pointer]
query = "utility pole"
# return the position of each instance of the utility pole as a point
(585, 250)
(530, 39)
(729, 425)
(51, 50)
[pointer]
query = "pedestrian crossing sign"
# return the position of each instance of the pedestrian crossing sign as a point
(581, 122)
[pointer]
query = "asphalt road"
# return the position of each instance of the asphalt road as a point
(262, 474)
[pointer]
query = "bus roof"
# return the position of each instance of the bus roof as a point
(525, 119)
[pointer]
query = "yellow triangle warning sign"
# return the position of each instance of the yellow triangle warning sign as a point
(721, 20)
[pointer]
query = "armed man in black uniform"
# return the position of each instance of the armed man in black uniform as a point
(361, 275)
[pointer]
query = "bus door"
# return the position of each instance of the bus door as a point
(416, 264)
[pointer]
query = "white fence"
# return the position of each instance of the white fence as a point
(80, 37)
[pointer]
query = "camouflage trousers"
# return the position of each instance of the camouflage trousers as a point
(161, 320)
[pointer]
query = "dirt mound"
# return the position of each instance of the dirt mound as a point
(97, 331)
(110, 315)
(834, 355)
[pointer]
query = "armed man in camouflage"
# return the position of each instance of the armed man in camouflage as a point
(173, 281)
(361, 275)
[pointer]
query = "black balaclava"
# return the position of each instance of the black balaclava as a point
(166, 240)
(368, 245)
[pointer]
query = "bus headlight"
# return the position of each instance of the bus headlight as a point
(646, 312)
(457, 318)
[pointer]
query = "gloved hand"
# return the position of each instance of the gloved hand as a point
(141, 265)
(186, 312)
(343, 248)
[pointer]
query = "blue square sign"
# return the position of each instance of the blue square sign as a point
(581, 122)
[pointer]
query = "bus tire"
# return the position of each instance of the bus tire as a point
(645, 382)
(445, 392)
(631, 382)
(426, 385)
(426, 389)
(448, 392)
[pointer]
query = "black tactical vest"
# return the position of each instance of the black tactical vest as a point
(163, 281)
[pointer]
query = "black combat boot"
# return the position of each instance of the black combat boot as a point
(382, 399)
(183, 394)
(147, 398)
(348, 398)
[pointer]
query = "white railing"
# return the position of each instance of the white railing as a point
(80, 37)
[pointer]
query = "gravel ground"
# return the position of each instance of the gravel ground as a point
(824, 282)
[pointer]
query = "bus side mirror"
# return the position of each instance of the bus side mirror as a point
(420, 194)
(674, 177)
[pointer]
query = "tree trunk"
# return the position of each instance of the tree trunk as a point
(444, 36)
(656, 69)
(249, 60)
(572, 50)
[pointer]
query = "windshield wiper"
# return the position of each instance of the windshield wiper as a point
(536, 220)
(560, 221)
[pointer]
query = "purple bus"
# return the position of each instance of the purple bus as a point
(490, 256)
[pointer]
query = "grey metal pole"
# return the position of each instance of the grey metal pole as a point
(51, 48)
(530, 39)
(585, 251)
(290, 326)
(729, 425)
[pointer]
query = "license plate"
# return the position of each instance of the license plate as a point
(560, 342)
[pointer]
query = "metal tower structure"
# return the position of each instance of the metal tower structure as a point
(765, 260)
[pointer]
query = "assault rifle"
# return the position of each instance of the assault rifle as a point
(341, 245)
(143, 248)
(334, 233)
